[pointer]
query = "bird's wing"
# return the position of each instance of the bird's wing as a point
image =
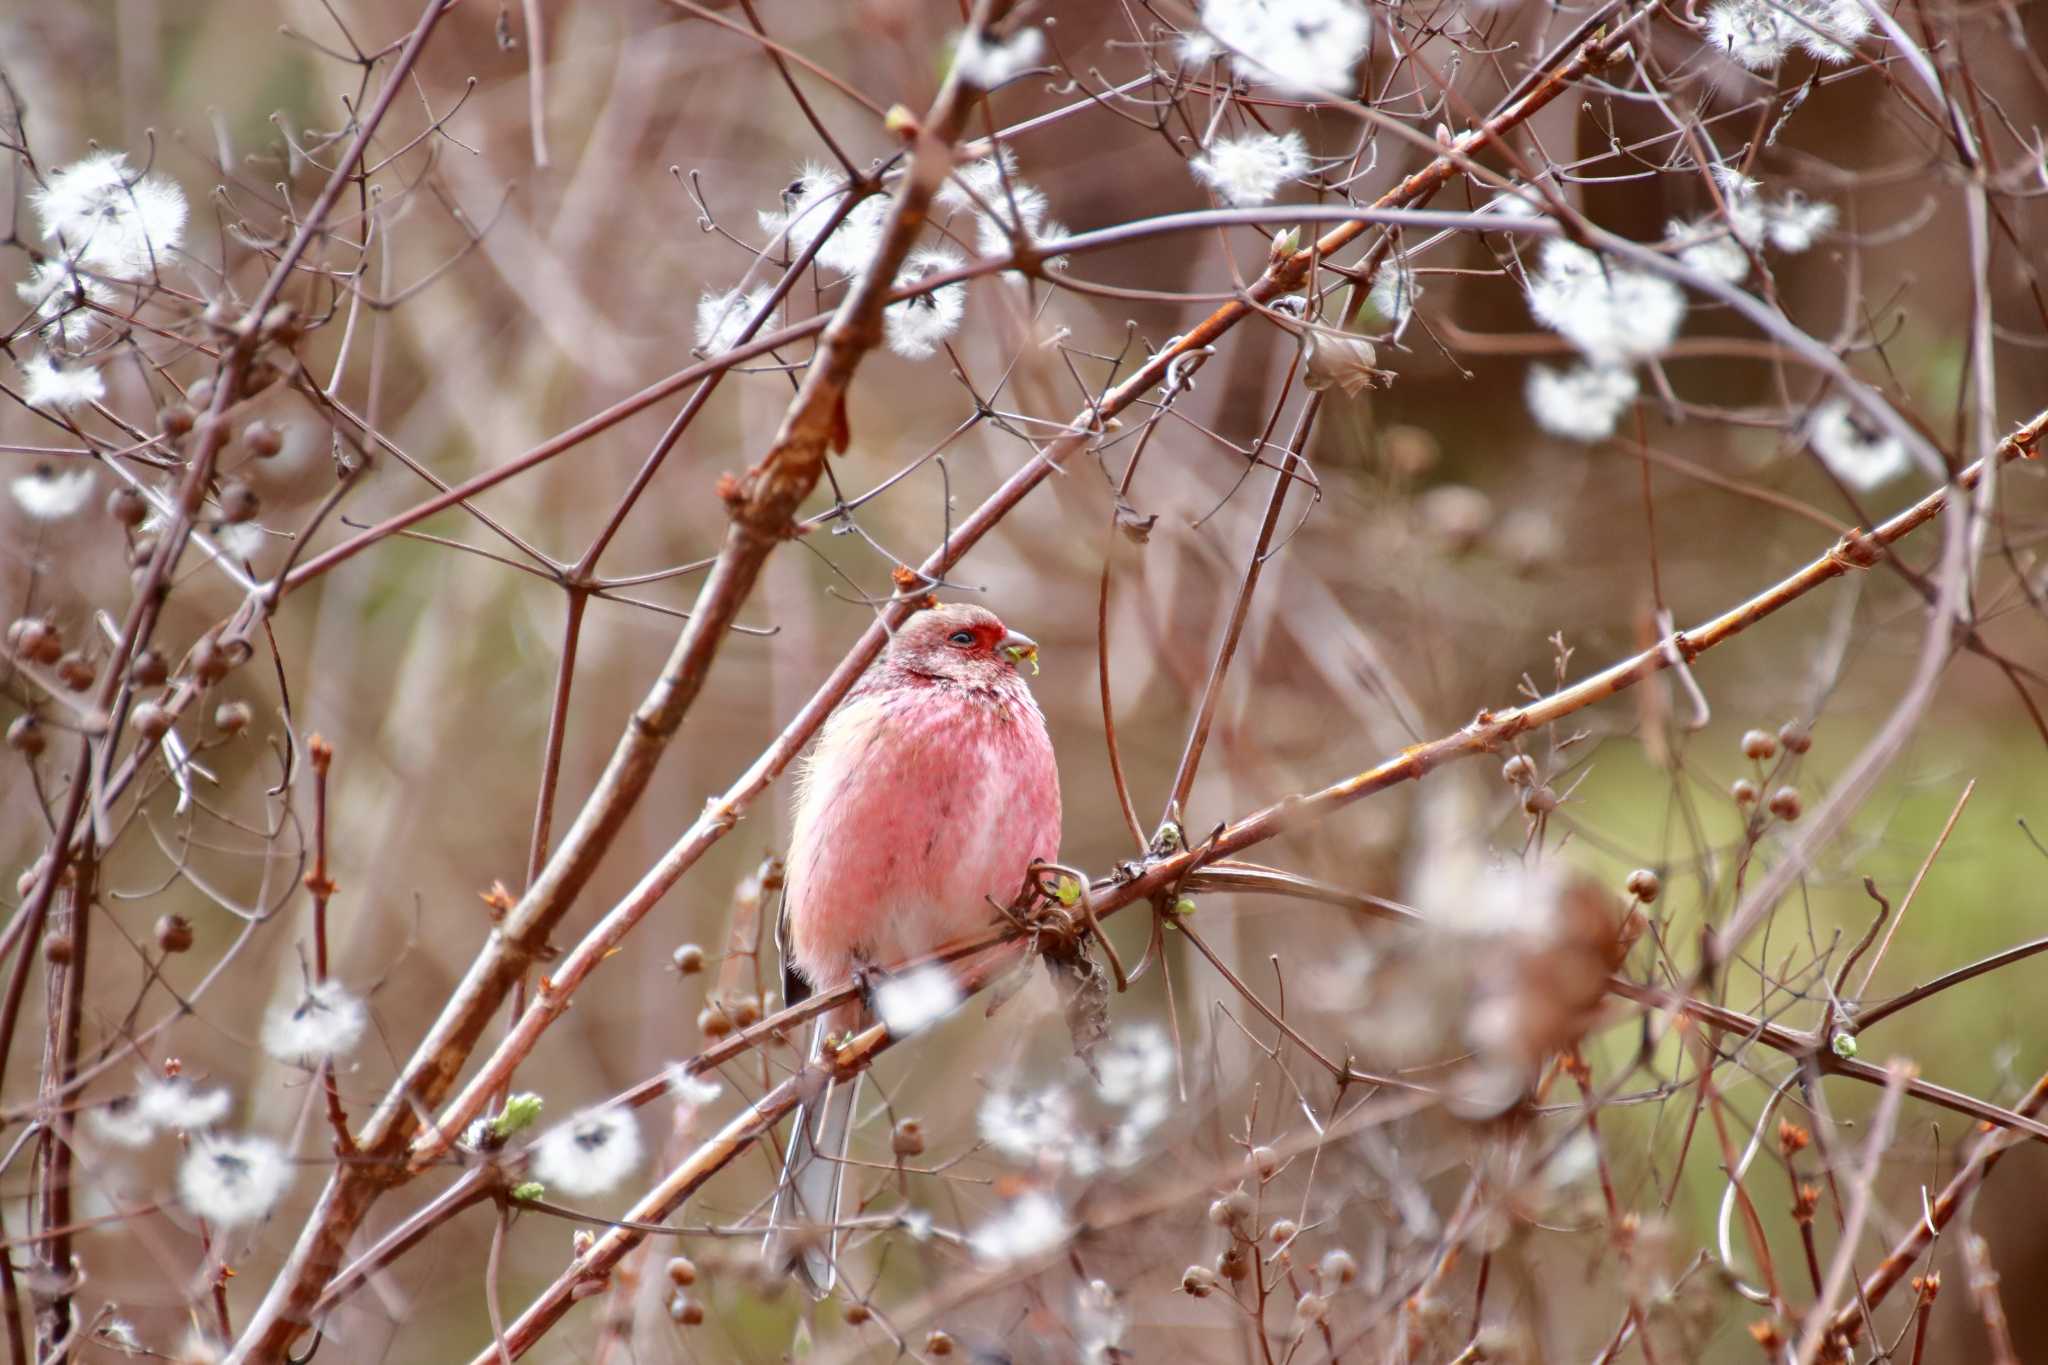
(795, 990)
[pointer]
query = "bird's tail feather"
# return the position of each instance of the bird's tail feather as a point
(802, 1240)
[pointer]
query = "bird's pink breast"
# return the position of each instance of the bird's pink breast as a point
(918, 808)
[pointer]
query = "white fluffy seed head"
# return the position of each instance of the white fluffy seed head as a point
(1028, 1125)
(1609, 311)
(46, 384)
(230, 1181)
(121, 1123)
(1582, 403)
(1001, 204)
(1028, 1226)
(1860, 454)
(1251, 168)
(913, 1001)
(808, 203)
(915, 328)
(1708, 248)
(60, 293)
(176, 1105)
(723, 315)
(589, 1154)
(109, 218)
(1758, 34)
(46, 495)
(1794, 223)
(987, 65)
(692, 1091)
(1305, 47)
(323, 1019)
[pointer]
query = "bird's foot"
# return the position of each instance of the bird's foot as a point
(867, 979)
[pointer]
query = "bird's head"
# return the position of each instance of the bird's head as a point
(962, 644)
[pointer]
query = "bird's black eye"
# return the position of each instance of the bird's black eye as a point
(963, 638)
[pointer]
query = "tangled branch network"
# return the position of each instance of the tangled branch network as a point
(457, 461)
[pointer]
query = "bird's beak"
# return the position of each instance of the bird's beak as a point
(1017, 649)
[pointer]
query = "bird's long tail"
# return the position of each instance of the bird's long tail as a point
(802, 1239)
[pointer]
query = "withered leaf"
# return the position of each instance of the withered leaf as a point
(1083, 985)
(1137, 528)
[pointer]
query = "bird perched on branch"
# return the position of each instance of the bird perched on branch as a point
(929, 794)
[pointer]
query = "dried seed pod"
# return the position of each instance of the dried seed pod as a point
(1518, 771)
(1237, 1205)
(208, 662)
(1265, 1161)
(150, 720)
(238, 502)
(200, 395)
(688, 959)
(908, 1138)
(1338, 1268)
(857, 1313)
(1198, 1282)
(57, 948)
(1760, 745)
(746, 1010)
(1231, 1264)
(1283, 1231)
(262, 439)
(1311, 1309)
(1743, 792)
(1644, 885)
(281, 324)
(127, 506)
(174, 933)
(1795, 737)
(1333, 359)
(713, 1022)
(36, 639)
(1785, 804)
(25, 735)
(937, 1343)
(76, 671)
(175, 419)
(1539, 801)
(684, 1310)
(682, 1270)
(231, 717)
(148, 669)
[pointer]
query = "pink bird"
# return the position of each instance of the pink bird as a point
(927, 797)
